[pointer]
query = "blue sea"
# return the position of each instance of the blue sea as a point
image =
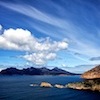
(18, 88)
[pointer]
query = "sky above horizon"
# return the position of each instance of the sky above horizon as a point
(51, 33)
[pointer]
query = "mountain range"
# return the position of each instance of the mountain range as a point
(35, 71)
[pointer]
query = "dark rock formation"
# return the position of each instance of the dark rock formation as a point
(34, 71)
(11, 71)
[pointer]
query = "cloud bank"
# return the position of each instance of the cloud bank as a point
(95, 58)
(40, 50)
(40, 58)
(80, 68)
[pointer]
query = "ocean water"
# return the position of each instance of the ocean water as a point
(17, 88)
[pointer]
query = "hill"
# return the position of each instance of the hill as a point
(35, 71)
(92, 74)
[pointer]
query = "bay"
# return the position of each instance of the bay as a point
(18, 88)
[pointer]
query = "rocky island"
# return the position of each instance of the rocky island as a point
(46, 84)
(91, 80)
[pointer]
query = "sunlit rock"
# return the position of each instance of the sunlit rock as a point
(93, 85)
(92, 74)
(58, 86)
(46, 84)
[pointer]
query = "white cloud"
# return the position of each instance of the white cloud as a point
(40, 58)
(15, 39)
(19, 39)
(42, 49)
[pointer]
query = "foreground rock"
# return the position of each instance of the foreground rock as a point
(93, 85)
(92, 74)
(91, 82)
(46, 84)
(58, 86)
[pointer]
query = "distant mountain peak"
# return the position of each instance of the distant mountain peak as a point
(56, 68)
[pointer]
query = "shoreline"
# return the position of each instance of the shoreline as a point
(93, 85)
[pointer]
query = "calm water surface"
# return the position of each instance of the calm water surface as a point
(17, 88)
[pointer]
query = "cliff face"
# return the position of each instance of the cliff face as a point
(92, 74)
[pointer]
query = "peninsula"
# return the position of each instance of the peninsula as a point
(91, 80)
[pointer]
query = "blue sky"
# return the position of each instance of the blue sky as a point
(61, 33)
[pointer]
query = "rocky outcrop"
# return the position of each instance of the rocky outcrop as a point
(58, 86)
(46, 84)
(78, 86)
(92, 74)
(93, 85)
(91, 82)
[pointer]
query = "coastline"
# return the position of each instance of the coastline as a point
(93, 85)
